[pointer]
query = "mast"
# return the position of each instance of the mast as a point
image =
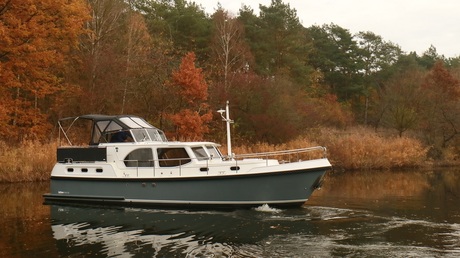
(228, 121)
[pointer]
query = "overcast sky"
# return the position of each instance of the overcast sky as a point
(414, 25)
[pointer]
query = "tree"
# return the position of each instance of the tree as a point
(401, 101)
(376, 55)
(278, 41)
(230, 52)
(441, 122)
(336, 55)
(184, 23)
(37, 37)
(429, 57)
(118, 56)
(138, 47)
(190, 90)
(149, 93)
(104, 67)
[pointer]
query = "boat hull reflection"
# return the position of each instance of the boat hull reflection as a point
(134, 231)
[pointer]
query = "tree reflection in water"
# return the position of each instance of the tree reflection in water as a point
(424, 194)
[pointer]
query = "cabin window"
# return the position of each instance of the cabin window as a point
(104, 126)
(139, 158)
(157, 135)
(214, 152)
(172, 157)
(141, 135)
(200, 153)
(150, 134)
(121, 136)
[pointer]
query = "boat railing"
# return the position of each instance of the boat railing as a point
(284, 156)
(287, 156)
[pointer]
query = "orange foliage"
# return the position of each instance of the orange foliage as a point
(193, 116)
(326, 110)
(190, 124)
(36, 36)
(192, 86)
(442, 83)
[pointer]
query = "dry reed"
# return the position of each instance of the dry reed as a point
(355, 149)
(365, 149)
(28, 162)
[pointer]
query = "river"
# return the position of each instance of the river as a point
(360, 214)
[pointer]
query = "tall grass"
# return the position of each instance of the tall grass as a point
(365, 149)
(30, 161)
(355, 149)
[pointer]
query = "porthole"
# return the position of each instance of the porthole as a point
(84, 170)
(69, 169)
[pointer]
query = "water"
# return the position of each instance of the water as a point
(373, 214)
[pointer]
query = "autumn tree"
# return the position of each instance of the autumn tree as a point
(103, 66)
(401, 101)
(231, 54)
(117, 55)
(148, 92)
(36, 38)
(190, 92)
(441, 108)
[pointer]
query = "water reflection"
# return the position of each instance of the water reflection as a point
(431, 195)
(311, 231)
(127, 232)
(378, 214)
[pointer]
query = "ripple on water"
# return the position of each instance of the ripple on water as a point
(260, 232)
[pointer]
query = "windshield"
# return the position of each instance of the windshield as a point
(143, 135)
(213, 151)
(200, 153)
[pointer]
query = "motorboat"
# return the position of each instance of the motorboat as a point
(130, 162)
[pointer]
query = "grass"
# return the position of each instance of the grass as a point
(354, 149)
(31, 161)
(365, 149)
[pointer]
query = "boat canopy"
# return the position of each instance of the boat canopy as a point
(119, 128)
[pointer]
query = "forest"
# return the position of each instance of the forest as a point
(175, 65)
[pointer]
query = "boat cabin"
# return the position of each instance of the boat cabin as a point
(130, 141)
(113, 129)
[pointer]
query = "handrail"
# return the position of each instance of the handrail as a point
(284, 152)
(262, 155)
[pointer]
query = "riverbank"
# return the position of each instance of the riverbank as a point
(353, 149)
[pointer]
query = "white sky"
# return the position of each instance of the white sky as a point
(414, 25)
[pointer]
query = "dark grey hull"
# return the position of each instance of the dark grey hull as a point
(291, 188)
